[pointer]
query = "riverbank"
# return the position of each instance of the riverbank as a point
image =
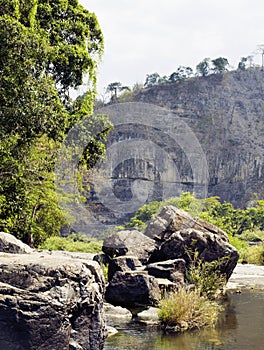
(247, 276)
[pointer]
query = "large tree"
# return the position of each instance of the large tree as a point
(47, 47)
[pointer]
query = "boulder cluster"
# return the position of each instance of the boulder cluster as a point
(55, 300)
(141, 266)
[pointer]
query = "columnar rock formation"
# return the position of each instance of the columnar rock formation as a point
(225, 111)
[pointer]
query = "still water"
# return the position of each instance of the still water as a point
(241, 327)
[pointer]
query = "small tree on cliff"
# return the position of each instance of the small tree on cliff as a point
(220, 65)
(203, 68)
(115, 87)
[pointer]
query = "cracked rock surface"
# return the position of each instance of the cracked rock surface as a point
(50, 301)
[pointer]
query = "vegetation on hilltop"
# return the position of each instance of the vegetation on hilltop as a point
(206, 67)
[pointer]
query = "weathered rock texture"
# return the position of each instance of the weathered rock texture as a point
(10, 244)
(122, 264)
(135, 290)
(181, 236)
(173, 270)
(50, 301)
(226, 114)
(132, 243)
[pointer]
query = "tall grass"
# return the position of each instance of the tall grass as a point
(185, 309)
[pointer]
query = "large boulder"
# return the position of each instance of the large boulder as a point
(134, 290)
(129, 242)
(10, 244)
(179, 236)
(207, 246)
(50, 301)
(171, 219)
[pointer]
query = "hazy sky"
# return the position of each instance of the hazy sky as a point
(147, 36)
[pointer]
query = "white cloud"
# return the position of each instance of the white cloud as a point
(146, 36)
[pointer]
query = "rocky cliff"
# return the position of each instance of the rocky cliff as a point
(226, 113)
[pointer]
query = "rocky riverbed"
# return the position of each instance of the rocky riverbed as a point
(247, 276)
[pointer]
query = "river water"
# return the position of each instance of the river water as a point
(240, 327)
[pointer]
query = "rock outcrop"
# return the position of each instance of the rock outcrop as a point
(131, 242)
(176, 240)
(180, 236)
(51, 300)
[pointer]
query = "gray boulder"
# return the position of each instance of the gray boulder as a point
(208, 247)
(10, 244)
(128, 242)
(123, 263)
(173, 270)
(133, 290)
(50, 301)
(179, 236)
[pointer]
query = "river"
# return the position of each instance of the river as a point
(240, 327)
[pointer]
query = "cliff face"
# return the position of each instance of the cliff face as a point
(226, 113)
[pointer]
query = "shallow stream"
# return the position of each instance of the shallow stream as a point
(240, 327)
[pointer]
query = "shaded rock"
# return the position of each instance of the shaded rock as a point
(209, 247)
(133, 290)
(166, 285)
(10, 244)
(102, 259)
(50, 301)
(123, 263)
(173, 270)
(128, 242)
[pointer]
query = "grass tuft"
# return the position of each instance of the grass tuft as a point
(183, 309)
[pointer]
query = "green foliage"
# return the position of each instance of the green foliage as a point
(256, 236)
(73, 243)
(186, 201)
(203, 68)
(46, 48)
(252, 254)
(152, 80)
(220, 65)
(187, 310)
(30, 209)
(147, 211)
(242, 63)
(206, 277)
(181, 74)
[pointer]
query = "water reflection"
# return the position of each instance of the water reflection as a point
(240, 327)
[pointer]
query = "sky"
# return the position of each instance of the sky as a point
(147, 36)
